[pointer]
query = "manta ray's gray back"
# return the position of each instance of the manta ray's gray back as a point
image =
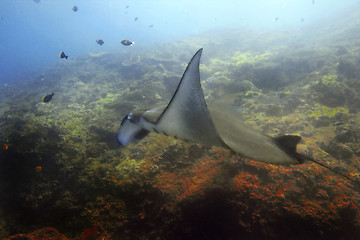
(186, 116)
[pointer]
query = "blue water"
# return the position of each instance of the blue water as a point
(34, 33)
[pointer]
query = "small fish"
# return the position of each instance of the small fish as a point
(63, 55)
(4, 146)
(136, 19)
(302, 20)
(313, 1)
(48, 98)
(275, 19)
(38, 168)
(127, 42)
(151, 25)
(75, 8)
(127, 6)
(100, 42)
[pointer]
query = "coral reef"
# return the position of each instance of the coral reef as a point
(63, 172)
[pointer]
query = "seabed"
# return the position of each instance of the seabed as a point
(64, 176)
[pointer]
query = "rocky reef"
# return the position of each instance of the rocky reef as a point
(64, 176)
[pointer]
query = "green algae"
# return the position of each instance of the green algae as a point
(129, 166)
(252, 93)
(329, 80)
(218, 63)
(321, 110)
(110, 98)
(215, 67)
(247, 57)
(74, 124)
(332, 92)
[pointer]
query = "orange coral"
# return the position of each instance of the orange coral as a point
(186, 183)
(47, 233)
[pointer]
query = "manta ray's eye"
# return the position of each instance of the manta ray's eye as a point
(132, 118)
(129, 116)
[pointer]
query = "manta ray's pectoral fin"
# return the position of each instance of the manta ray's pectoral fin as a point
(186, 116)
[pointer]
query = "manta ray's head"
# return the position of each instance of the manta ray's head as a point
(130, 128)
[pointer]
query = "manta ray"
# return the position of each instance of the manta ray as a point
(188, 117)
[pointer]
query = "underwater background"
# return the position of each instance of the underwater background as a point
(289, 67)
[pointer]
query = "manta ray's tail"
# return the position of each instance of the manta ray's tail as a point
(331, 169)
(288, 144)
